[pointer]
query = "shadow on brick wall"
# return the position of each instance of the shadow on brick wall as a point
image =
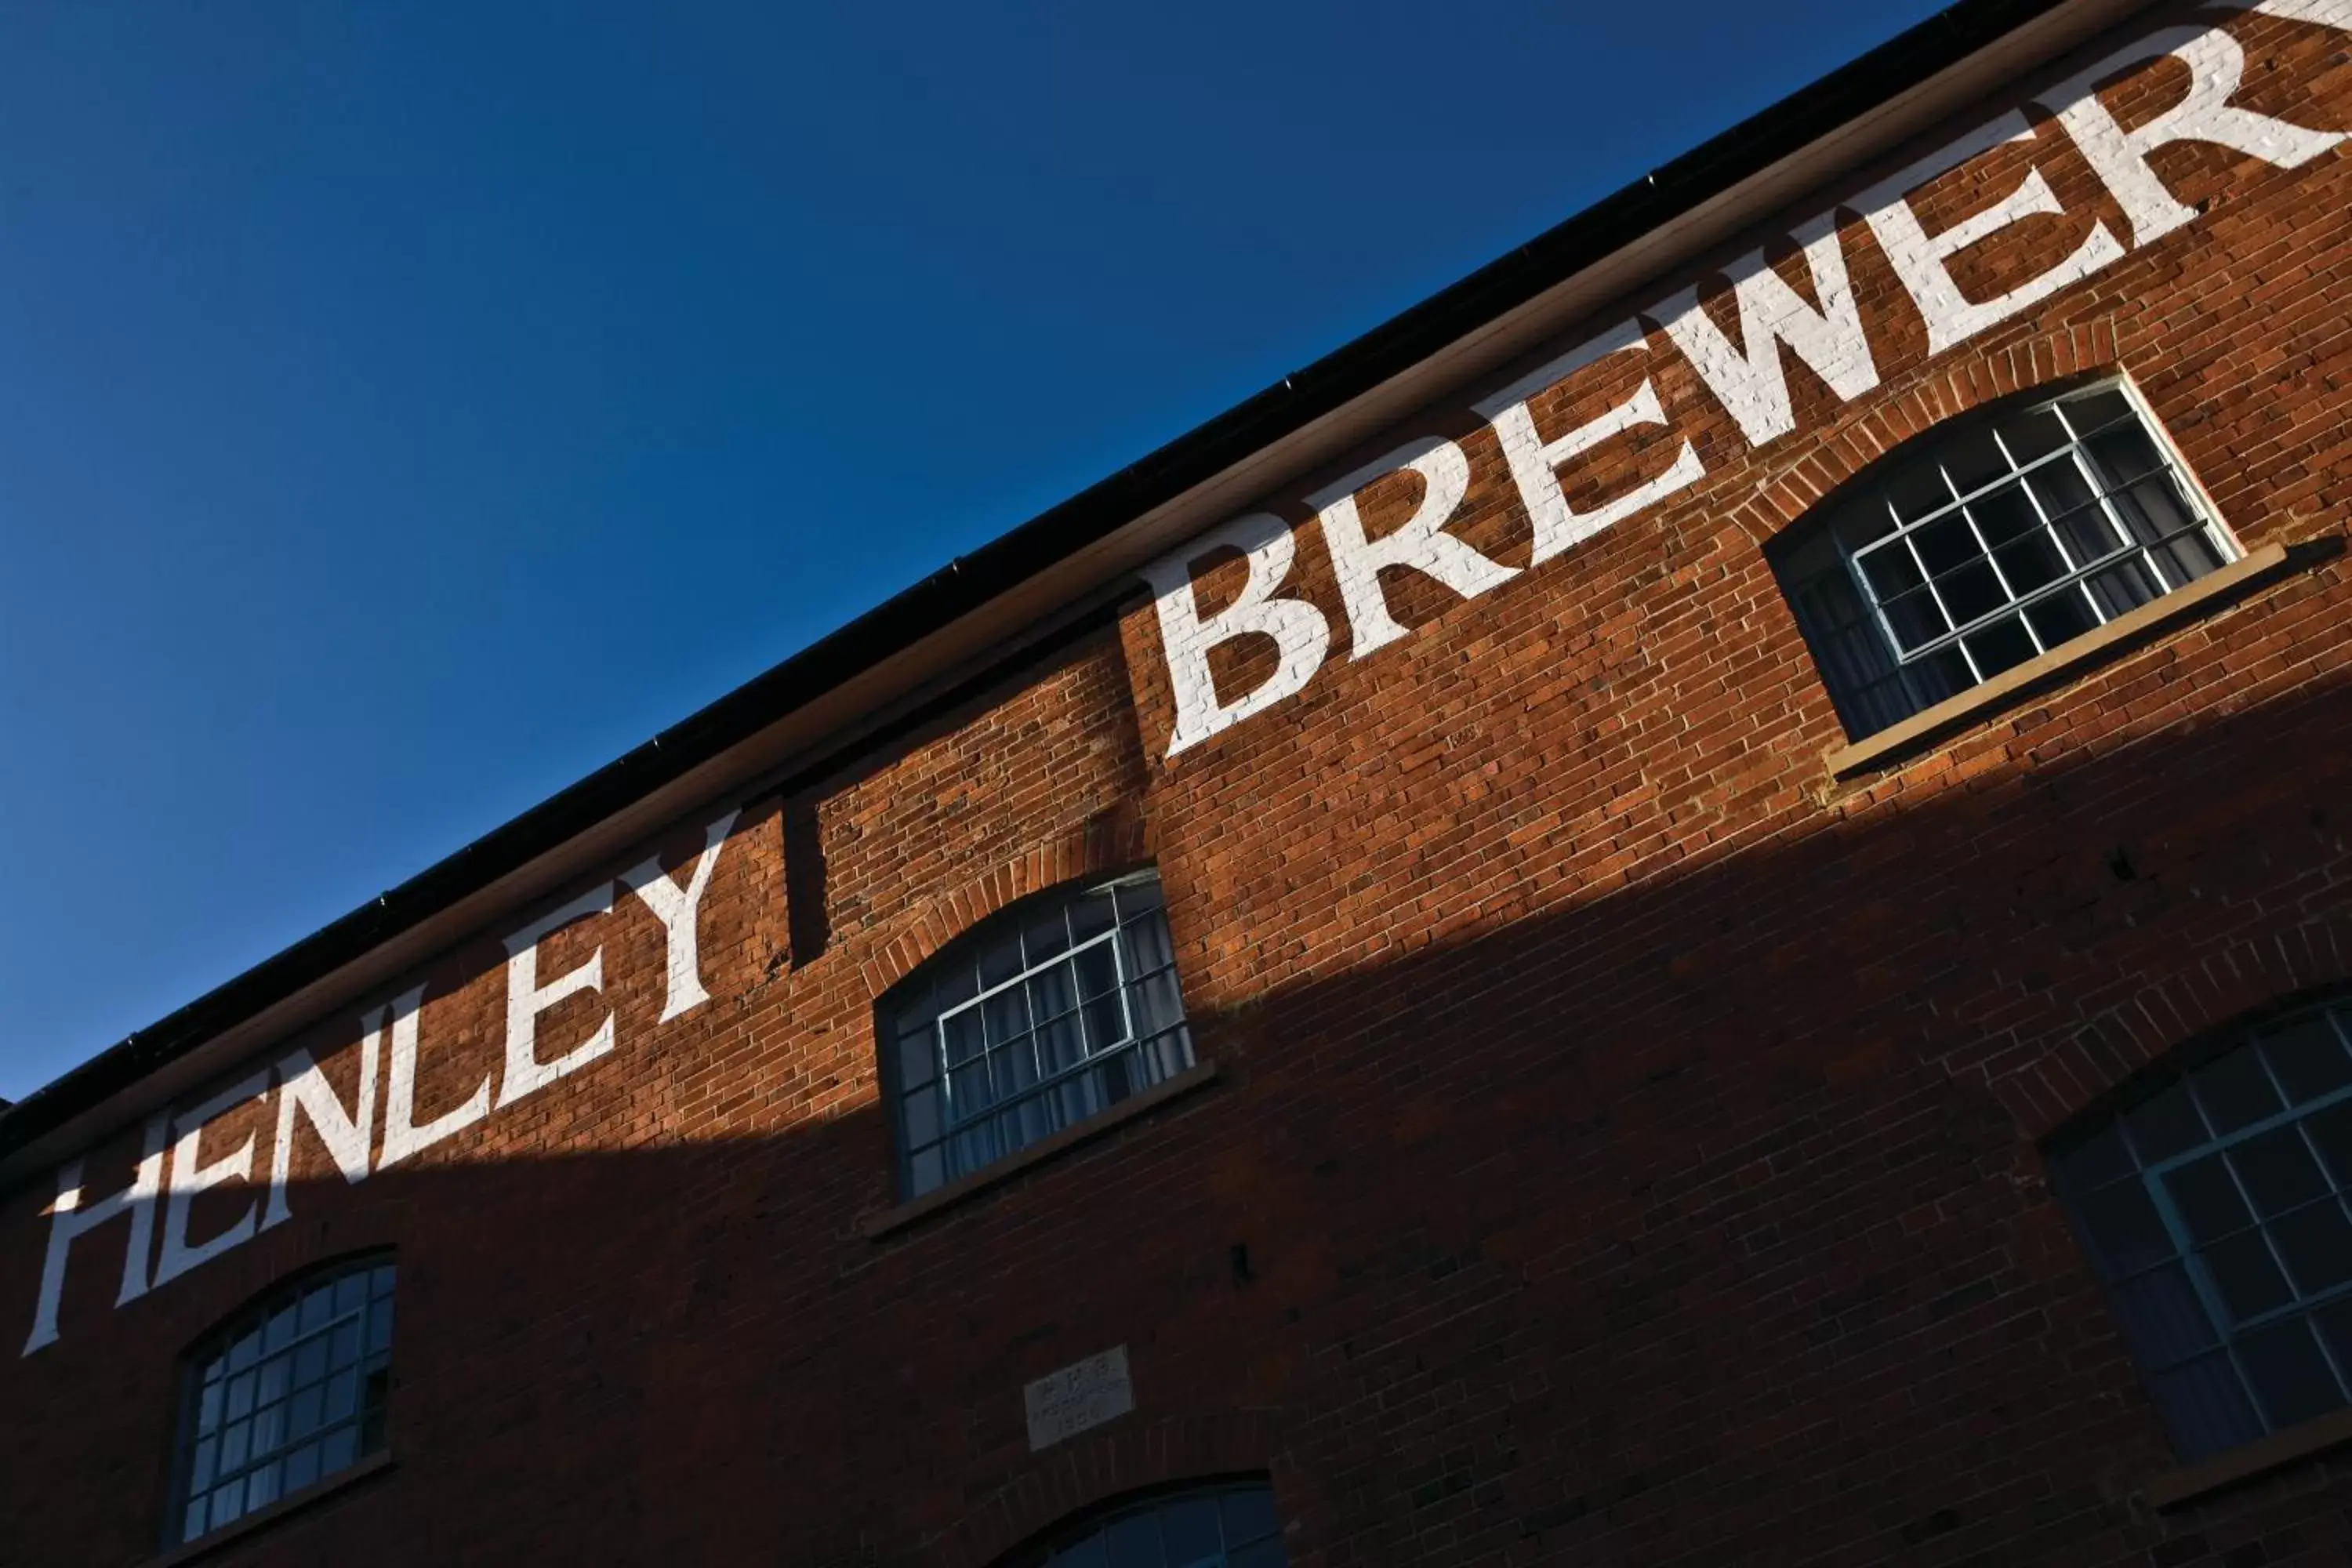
(1700, 1222)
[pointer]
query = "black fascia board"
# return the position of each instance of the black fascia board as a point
(969, 581)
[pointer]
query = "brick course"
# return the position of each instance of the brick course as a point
(1633, 1132)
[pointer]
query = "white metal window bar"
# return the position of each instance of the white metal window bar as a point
(1048, 1016)
(2215, 1205)
(1997, 537)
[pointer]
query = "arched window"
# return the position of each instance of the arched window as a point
(1230, 1525)
(2214, 1203)
(283, 1396)
(1052, 1011)
(1992, 539)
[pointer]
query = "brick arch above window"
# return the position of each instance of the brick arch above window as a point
(1843, 450)
(2068, 1073)
(1077, 1478)
(1111, 841)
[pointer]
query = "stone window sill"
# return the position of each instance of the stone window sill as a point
(269, 1514)
(2126, 633)
(890, 1220)
(2190, 1483)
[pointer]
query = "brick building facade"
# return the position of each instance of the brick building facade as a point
(1659, 1076)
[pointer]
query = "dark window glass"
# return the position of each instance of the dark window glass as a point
(1987, 543)
(2215, 1206)
(282, 1397)
(1046, 1015)
(1231, 1525)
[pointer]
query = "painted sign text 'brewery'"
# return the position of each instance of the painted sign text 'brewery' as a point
(1746, 376)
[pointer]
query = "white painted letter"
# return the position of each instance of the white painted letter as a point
(1297, 627)
(302, 1087)
(1749, 380)
(1918, 260)
(1420, 543)
(401, 1136)
(191, 1176)
(2216, 64)
(70, 1220)
(677, 913)
(2337, 14)
(1535, 464)
(527, 999)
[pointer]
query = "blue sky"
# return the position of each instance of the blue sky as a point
(405, 410)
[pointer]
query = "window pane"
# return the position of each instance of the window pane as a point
(918, 1059)
(2162, 1317)
(1916, 493)
(2278, 1171)
(961, 1035)
(1249, 1515)
(2123, 587)
(1053, 992)
(2331, 1133)
(2061, 488)
(2208, 1200)
(343, 1394)
(923, 1116)
(1189, 1530)
(2122, 455)
(2207, 1406)
(999, 960)
(2235, 1091)
(2167, 1125)
(2247, 1277)
(1970, 592)
(1973, 460)
(1097, 971)
(1061, 1045)
(1945, 543)
(2034, 435)
(2090, 535)
(2096, 410)
(1007, 1014)
(1046, 937)
(2006, 516)
(2000, 645)
(1134, 1543)
(2030, 561)
(2316, 1243)
(2062, 617)
(1916, 619)
(1089, 917)
(2309, 1057)
(1890, 571)
(2292, 1381)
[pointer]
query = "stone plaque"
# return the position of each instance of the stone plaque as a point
(1086, 1394)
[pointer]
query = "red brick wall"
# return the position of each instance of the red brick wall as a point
(1632, 1132)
